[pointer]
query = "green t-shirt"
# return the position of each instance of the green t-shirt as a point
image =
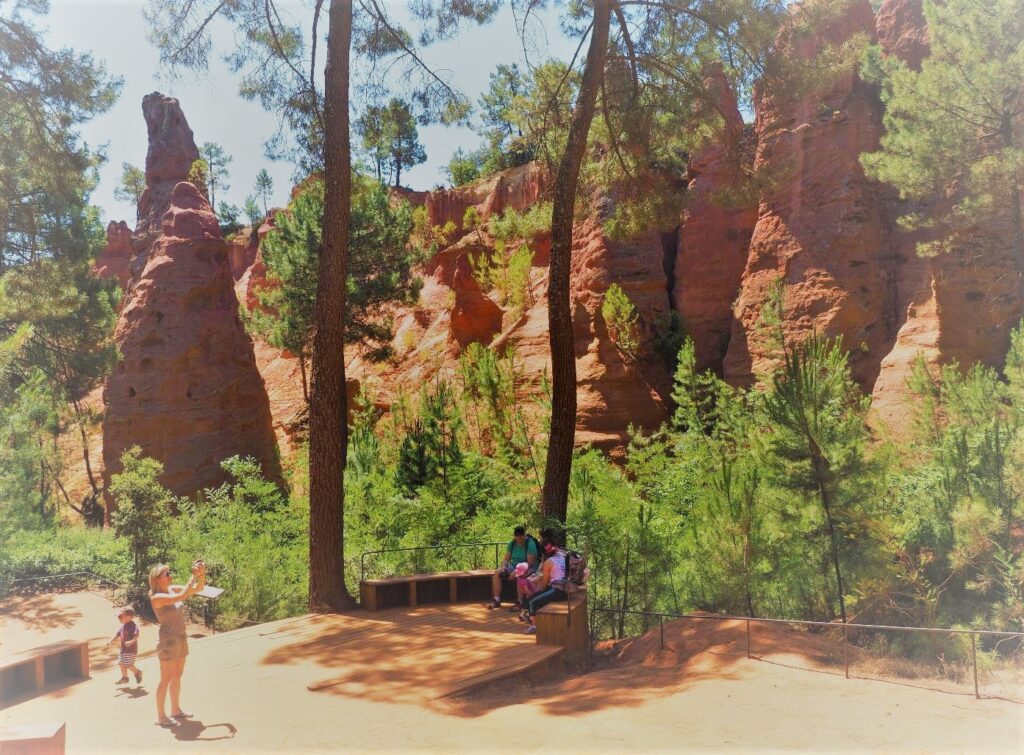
(519, 552)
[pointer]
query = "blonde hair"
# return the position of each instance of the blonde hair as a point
(154, 575)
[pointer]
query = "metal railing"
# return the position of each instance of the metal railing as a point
(846, 626)
(362, 557)
(84, 576)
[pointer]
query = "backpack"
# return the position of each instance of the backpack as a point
(536, 544)
(575, 570)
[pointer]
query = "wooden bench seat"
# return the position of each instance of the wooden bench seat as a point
(32, 739)
(31, 671)
(420, 589)
(564, 623)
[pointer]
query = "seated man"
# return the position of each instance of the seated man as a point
(520, 548)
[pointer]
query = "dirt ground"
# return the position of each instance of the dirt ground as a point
(249, 692)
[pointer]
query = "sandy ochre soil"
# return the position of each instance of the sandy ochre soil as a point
(249, 691)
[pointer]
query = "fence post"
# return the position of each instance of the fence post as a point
(846, 653)
(748, 638)
(974, 662)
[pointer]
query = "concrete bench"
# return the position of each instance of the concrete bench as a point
(34, 739)
(29, 672)
(422, 589)
(564, 624)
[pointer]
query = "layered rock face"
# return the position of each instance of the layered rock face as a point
(187, 389)
(115, 258)
(820, 230)
(714, 236)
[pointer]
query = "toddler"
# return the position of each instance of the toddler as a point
(129, 635)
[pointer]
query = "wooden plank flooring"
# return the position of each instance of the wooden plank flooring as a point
(410, 655)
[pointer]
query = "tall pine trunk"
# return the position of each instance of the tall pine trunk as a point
(328, 426)
(555, 496)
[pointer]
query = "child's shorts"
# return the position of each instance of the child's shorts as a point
(126, 658)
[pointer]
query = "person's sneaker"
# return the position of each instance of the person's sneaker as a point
(523, 615)
(138, 677)
(517, 606)
(122, 680)
(495, 603)
(532, 629)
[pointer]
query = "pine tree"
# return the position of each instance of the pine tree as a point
(217, 172)
(264, 188)
(956, 126)
(390, 139)
(380, 272)
(48, 231)
(133, 183)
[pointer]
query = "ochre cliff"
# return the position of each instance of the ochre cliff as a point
(817, 226)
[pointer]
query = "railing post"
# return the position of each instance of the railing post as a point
(974, 662)
(748, 638)
(846, 653)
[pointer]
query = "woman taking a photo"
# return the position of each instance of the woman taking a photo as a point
(172, 647)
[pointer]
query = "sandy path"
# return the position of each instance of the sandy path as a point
(250, 697)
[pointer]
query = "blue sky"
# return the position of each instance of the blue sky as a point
(115, 32)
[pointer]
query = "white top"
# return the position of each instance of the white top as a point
(557, 569)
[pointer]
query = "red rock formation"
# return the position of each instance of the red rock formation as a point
(172, 150)
(821, 230)
(186, 390)
(115, 258)
(241, 253)
(902, 32)
(517, 188)
(713, 239)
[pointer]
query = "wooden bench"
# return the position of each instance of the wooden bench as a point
(421, 589)
(31, 671)
(564, 624)
(35, 739)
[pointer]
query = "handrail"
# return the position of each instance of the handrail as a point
(973, 633)
(97, 577)
(833, 624)
(362, 557)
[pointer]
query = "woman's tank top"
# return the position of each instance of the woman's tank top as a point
(172, 620)
(557, 578)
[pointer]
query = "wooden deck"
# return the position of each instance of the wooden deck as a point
(413, 655)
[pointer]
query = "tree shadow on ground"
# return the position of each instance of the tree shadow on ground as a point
(39, 612)
(405, 655)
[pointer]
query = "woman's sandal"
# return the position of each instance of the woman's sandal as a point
(181, 716)
(168, 723)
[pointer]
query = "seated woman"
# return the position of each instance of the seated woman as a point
(549, 584)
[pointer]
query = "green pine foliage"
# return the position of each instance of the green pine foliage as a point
(953, 128)
(379, 271)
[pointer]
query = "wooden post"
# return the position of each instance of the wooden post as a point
(412, 593)
(846, 654)
(40, 673)
(661, 622)
(974, 662)
(748, 638)
(453, 589)
(83, 663)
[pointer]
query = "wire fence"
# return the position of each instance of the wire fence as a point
(969, 661)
